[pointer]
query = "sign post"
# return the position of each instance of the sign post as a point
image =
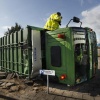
(48, 84)
(47, 72)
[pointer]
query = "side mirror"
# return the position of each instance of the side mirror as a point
(76, 19)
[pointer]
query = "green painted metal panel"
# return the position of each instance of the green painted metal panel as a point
(8, 58)
(24, 52)
(29, 50)
(5, 52)
(11, 52)
(67, 54)
(20, 35)
(0, 52)
(8, 52)
(22, 47)
(11, 38)
(16, 51)
(91, 52)
(15, 48)
(20, 52)
(20, 60)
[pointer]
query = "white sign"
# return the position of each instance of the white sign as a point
(47, 72)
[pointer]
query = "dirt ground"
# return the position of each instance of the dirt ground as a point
(17, 89)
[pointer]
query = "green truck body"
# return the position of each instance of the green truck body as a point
(31, 49)
(60, 53)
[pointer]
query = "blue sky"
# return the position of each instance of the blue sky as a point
(36, 12)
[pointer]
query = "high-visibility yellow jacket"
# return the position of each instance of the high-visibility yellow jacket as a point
(53, 22)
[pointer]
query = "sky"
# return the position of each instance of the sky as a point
(36, 12)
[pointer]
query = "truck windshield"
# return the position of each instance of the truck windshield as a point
(80, 53)
(79, 36)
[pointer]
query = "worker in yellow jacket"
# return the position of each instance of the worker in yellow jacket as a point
(53, 22)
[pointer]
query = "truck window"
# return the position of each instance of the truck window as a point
(56, 56)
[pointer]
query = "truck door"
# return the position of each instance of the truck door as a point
(92, 51)
(55, 53)
(93, 47)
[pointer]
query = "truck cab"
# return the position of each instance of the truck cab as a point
(69, 52)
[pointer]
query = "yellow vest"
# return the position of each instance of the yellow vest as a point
(52, 22)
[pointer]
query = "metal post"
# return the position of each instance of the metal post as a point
(48, 84)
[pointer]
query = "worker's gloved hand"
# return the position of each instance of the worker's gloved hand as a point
(59, 22)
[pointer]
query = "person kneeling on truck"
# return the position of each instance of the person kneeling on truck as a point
(53, 22)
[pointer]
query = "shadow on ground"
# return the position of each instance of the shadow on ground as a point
(6, 98)
(91, 87)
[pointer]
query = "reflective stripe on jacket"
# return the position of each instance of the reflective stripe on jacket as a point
(53, 22)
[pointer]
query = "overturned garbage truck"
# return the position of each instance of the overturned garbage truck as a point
(70, 51)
